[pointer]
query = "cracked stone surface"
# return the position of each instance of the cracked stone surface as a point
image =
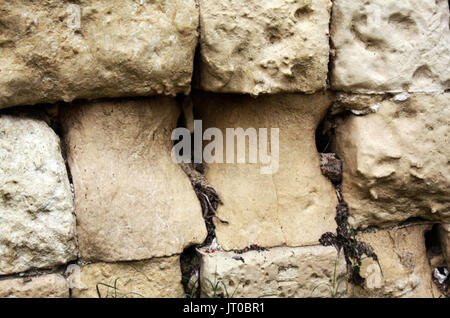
(258, 47)
(46, 286)
(132, 201)
(396, 161)
(277, 272)
(64, 50)
(390, 46)
(37, 224)
(405, 270)
(155, 278)
(296, 204)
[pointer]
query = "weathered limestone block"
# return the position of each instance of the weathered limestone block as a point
(295, 205)
(391, 46)
(258, 47)
(396, 161)
(155, 278)
(37, 225)
(444, 232)
(132, 201)
(405, 271)
(57, 50)
(46, 286)
(277, 272)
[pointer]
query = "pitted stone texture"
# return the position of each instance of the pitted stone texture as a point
(277, 272)
(63, 50)
(37, 225)
(155, 278)
(391, 46)
(132, 201)
(444, 232)
(46, 286)
(404, 270)
(396, 161)
(295, 205)
(258, 47)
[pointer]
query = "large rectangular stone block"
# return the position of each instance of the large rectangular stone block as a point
(390, 46)
(64, 50)
(292, 205)
(155, 278)
(257, 47)
(396, 161)
(132, 201)
(313, 271)
(37, 224)
(45, 286)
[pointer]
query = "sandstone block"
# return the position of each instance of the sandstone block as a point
(277, 272)
(391, 46)
(46, 286)
(155, 278)
(132, 201)
(37, 225)
(257, 47)
(444, 232)
(396, 161)
(405, 271)
(293, 206)
(60, 50)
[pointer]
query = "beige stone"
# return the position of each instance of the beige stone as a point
(46, 286)
(59, 50)
(258, 47)
(396, 161)
(404, 270)
(295, 205)
(132, 201)
(155, 278)
(390, 46)
(444, 233)
(277, 272)
(37, 225)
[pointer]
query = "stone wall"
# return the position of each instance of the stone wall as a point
(92, 203)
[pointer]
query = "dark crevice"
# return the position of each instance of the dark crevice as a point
(197, 55)
(433, 242)
(330, 163)
(440, 271)
(324, 137)
(209, 201)
(345, 238)
(190, 272)
(332, 51)
(60, 132)
(207, 195)
(36, 272)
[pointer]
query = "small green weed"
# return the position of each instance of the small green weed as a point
(113, 292)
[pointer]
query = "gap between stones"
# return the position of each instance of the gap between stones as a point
(345, 238)
(209, 201)
(435, 257)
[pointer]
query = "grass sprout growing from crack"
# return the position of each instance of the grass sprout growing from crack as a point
(215, 287)
(218, 289)
(193, 285)
(113, 292)
(333, 286)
